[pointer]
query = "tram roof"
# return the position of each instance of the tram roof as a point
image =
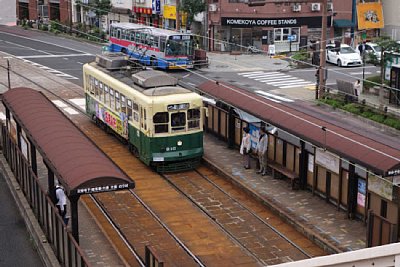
(154, 30)
(367, 152)
(78, 163)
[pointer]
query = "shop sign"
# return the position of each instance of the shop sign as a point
(327, 160)
(380, 186)
(169, 12)
(156, 6)
(312, 22)
(370, 16)
(362, 191)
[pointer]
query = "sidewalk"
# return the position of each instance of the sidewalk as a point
(312, 215)
(226, 62)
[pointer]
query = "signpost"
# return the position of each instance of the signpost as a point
(291, 38)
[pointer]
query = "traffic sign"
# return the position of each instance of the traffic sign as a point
(292, 37)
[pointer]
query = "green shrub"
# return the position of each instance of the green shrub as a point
(378, 118)
(301, 55)
(352, 108)
(392, 122)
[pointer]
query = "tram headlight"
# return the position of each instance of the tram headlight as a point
(179, 143)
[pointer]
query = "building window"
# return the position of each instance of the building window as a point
(281, 34)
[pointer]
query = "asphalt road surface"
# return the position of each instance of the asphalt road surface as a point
(16, 247)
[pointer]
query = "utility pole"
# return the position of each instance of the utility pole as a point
(322, 47)
(178, 16)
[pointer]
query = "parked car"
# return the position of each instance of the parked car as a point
(344, 56)
(371, 48)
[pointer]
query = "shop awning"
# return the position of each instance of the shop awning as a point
(343, 23)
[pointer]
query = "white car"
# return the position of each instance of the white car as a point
(343, 57)
(371, 48)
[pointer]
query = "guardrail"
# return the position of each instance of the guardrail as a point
(65, 247)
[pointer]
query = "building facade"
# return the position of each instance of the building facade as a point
(391, 10)
(234, 24)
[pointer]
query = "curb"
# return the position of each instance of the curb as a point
(318, 239)
(39, 238)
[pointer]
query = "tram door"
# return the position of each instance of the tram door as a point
(394, 95)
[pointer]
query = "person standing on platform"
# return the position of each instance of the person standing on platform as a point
(245, 147)
(262, 151)
(61, 203)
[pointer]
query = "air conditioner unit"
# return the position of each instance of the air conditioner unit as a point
(330, 6)
(296, 7)
(315, 7)
(212, 7)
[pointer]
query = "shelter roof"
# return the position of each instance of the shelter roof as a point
(78, 163)
(367, 152)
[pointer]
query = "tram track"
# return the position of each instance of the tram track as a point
(240, 222)
(158, 213)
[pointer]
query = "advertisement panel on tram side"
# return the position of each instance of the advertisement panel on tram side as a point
(118, 123)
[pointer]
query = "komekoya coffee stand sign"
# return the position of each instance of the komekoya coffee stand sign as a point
(312, 22)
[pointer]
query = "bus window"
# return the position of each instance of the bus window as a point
(162, 44)
(124, 35)
(161, 121)
(178, 121)
(193, 118)
(106, 96)
(143, 38)
(137, 38)
(112, 100)
(117, 102)
(132, 36)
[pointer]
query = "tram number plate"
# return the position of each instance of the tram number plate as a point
(158, 158)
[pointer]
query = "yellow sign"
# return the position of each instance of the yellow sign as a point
(169, 12)
(370, 16)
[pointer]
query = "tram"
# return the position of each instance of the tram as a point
(161, 122)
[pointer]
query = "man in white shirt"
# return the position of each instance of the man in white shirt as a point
(61, 203)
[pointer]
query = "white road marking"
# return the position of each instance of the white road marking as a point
(54, 56)
(273, 96)
(80, 102)
(276, 79)
(71, 111)
(296, 85)
(59, 103)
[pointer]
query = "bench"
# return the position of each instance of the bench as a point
(283, 171)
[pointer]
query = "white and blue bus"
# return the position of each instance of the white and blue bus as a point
(160, 48)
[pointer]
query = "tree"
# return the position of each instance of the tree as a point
(192, 8)
(387, 45)
(100, 8)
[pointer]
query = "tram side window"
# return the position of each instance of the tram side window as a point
(91, 84)
(117, 101)
(129, 103)
(123, 104)
(112, 100)
(101, 92)
(106, 96)
(193, 118)
(96, 83)
(178, 121)
(161, 121)
(145, 120)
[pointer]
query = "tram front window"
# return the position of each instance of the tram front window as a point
(160, 121)
(178, 121)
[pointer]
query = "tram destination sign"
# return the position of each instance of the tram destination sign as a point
(312, 22)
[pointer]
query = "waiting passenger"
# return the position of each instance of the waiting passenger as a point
(245, 147)
(262, 151)
(61, 203)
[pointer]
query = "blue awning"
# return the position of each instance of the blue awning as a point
(343, 23)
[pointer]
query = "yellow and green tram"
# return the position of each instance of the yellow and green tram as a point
(161, 122)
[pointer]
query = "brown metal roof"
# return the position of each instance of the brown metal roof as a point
(76, 161)
(367, 152)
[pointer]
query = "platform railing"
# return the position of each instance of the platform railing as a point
(61, 240)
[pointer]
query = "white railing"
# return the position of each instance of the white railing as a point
(387, 256)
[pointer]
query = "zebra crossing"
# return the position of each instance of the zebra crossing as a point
(277, 79)
(79, 102)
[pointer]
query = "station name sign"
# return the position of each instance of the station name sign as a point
(104, 188)
(313, 22)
